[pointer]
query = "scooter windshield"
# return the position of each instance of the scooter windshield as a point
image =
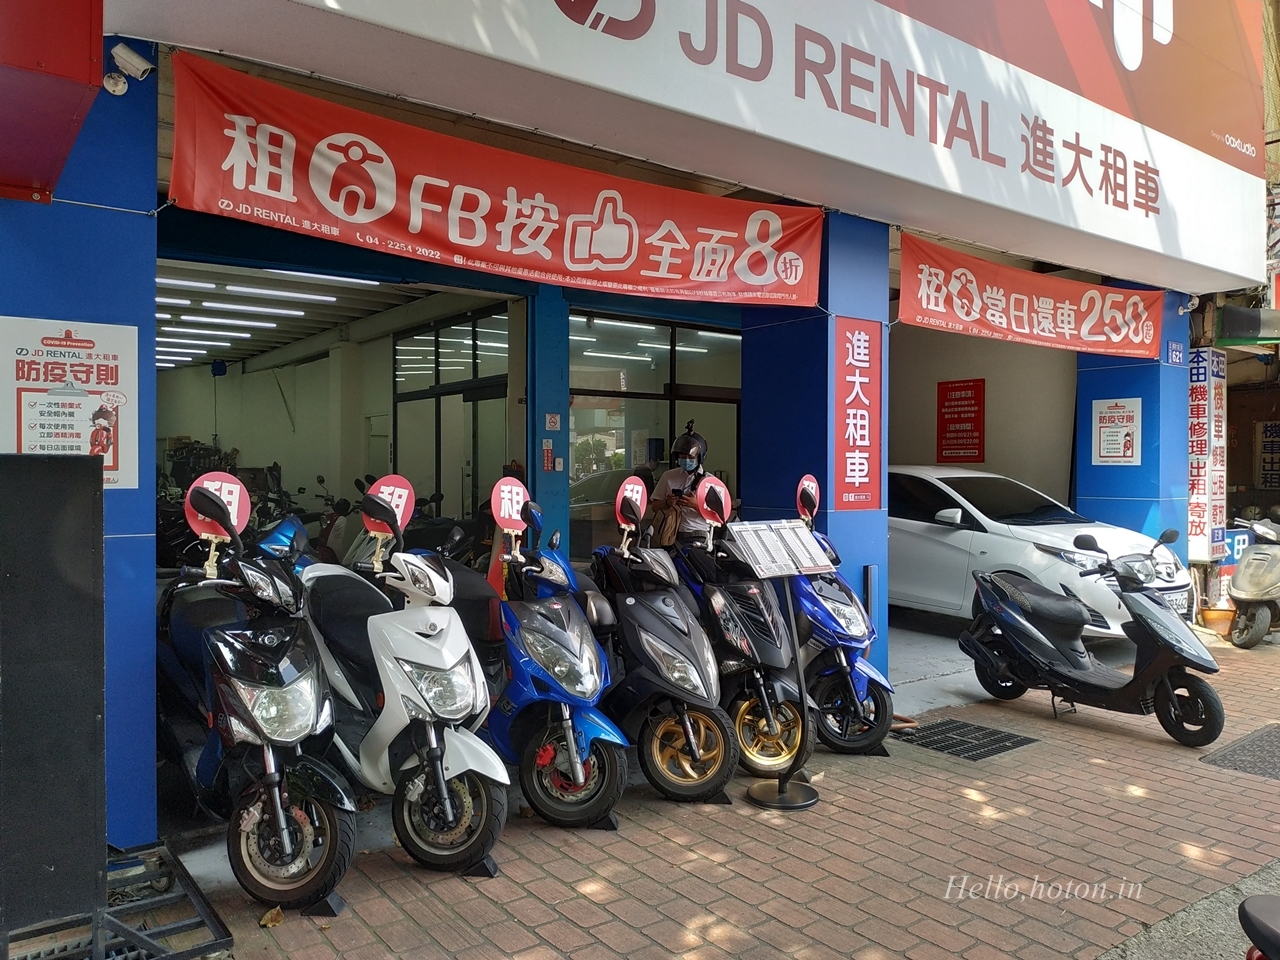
(1171, 629)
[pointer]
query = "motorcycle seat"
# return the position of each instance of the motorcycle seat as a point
(478, 605)
(341, 607)
(1039, 603)
(1260, 920)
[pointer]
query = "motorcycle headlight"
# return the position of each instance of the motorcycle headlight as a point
(263, 587)
(1083, 561)
(673, 666)
(552, 572)
(285, 715)
(579, 677)
(450, 693)
(287, 598)
(850, 616)
(420, 579)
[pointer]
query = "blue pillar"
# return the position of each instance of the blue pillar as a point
(96, 265)
(548, 393)
(1151, 496)
(788, 405)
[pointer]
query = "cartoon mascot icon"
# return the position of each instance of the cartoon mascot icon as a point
(104, 429)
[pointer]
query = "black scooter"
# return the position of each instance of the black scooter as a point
(1260, 920)
(1029, 636)
(666, 692)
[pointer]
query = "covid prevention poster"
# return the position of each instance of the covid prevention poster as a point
(71, 389)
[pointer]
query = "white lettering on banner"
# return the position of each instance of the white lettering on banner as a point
(269, 151)
(228, 493)
(1206, 455)
(512, 502)
(633, 491)
(395, 495)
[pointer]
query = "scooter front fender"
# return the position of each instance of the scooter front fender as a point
(464, 751)
(319, 781)
(590, 725)
(871, 673)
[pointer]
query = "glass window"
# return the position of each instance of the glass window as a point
(416, 363)
(1007, 501)
(915, 498)
(718, 424)
(491, 346)
(416, 444)
(455, 347)
(709, 358)
(618, 355)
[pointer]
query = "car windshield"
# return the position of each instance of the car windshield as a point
(1007, 501)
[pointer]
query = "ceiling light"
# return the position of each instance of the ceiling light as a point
(488, 353)
(667, 346)
(171, 300)
(193, 284)
(454, 340)
(587, 339)
(180, 350)
(615, 356)
(266, 324)
(194, 343)
(720, 336)
(453, 368)
(239, 307)
(163, 316)
(159, 364)
(627, 324)
(172, 356)
(263, 292)
(489, 343)
(487, 330)
(205, 333)
(325, 276)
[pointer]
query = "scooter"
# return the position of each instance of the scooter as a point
(853, 700)
(1255, 586)
(244, 710)
(667, 695)
(1260, 920)
(411, 694)
(750, 632)
(572, 759)
(1028, 636)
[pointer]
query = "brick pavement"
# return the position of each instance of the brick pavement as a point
(1100, 799)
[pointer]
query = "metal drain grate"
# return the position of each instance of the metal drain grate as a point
(1258, 753)
(965, 740)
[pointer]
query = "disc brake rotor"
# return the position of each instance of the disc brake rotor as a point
(429, 816)
(266, 852)
(558, 781)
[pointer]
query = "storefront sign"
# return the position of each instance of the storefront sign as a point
(1117, 433)
(255, 151)
(1266, 455)
(952, 291)
(71, 389)
(1207, 455)
(858, 384)
(962, 419)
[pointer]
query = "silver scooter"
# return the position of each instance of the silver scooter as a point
(1255, 586)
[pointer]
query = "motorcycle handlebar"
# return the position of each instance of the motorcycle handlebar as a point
(361, 567)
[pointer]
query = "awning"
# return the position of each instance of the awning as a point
(1239, 326)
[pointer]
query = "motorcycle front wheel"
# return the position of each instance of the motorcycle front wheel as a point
(668, 764)
(766, 755)
(1251, 624)
(322, 841)
(548, 783)
(427, 835)
(1200, 717)
(840, 728)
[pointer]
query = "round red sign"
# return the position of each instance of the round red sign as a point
(720, 515)
(231, 491)
(398, 492)
(810, 483)
(508, 499)
(632, 489)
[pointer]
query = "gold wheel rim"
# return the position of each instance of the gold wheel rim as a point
(667, 749)
(763, 750)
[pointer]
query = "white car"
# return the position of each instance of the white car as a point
(947, 522)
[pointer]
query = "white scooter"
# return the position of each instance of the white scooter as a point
(411, 693)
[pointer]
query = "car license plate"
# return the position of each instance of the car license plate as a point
(1177, 602)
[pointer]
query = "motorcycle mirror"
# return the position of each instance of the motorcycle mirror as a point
(1086, 541)
(360, 485)
(808, 502)
(302, 489)
(717, 505)
(1169, 536)
(320, 479)
(554, 542)
(342, 506)
(208, 504)
(421, 503)
(630, 511)
(375, 508)
(370, 479)
(436, 497)
(531, 514)
(455, 538)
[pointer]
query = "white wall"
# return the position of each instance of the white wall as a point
(1030, 403)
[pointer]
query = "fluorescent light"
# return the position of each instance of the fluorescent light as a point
(194, 343)
(205, 333)
(159, 364)
(227, 321)
(720, 336)
(487, 330)
(415, 366)
(239, 307)
(193, 284)
(172, 356)
(163, 316)
(180, 350)
(325, 276)
(453, 368)
(490, 343)
(627, 324)
(489, 353)
(454, 340)
(667, 346)
(171, 300)
(587, 339)
(263, 292)
(615, 356)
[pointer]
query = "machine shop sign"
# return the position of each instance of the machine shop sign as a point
(255, 151)
(947, 290)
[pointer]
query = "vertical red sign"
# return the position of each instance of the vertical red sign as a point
(859, 382)
(962, 418)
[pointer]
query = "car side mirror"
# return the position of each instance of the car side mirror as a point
(952, 516)
(1169, 536)
(1086, 541)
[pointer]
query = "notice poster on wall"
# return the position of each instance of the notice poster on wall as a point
(858, 385)
(962, 418)
(71, 389)
(1207, 455)
(1117, 433)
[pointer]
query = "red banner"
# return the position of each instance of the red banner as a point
(859, 382)
(952, 291)
(255, 151)
(962, 421)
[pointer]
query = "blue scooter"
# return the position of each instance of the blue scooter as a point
(572, 759)
(853, 700)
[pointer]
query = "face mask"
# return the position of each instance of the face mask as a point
(688, 466)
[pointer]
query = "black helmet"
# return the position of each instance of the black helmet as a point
(690, 444)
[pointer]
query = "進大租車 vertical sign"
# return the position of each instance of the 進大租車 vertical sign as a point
(858, 387)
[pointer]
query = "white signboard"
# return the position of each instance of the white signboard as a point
(1117, 433)
(71, 389)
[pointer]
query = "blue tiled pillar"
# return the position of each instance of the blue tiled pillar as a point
(548, 393)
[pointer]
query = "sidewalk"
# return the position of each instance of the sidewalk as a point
(1100, 799)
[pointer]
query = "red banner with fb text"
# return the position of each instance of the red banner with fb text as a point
(859, 385)
(256, 151)
(952, 291)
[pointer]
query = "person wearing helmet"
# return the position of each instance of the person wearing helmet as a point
(676, 487)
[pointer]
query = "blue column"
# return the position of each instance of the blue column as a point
(1152, 496)
(549, 394)
(87, 263)
(788, 403)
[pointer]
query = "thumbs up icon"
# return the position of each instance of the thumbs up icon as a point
(607, 239)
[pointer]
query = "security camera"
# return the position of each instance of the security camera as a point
(131, 63)
(1192, 302)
